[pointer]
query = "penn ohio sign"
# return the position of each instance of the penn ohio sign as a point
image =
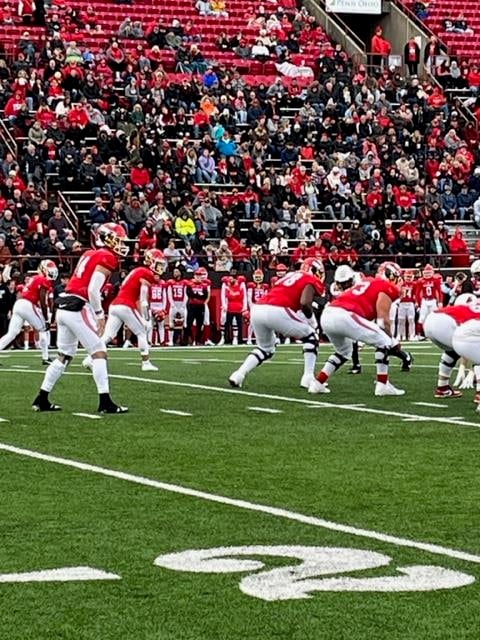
(354, 6)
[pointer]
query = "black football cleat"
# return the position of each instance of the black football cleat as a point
(355, 370)
(42, 403)
(408, 362)
(111, 407)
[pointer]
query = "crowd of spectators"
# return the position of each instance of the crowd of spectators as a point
(220, 171)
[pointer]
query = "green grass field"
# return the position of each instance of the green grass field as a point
(368, 506)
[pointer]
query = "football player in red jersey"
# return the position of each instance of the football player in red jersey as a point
(440, 327)
(233, 296)
(158, 308)
(130, 306)
(207, 330)
(33, 308)
(362, 313)
(177, 302)
(428, 293)
(256, 291)
(80, 317)
(198, 296)
(406, 306)
(286, 309)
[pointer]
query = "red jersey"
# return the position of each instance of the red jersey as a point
(91, 259)
(31, 291)
(428, 289)
(257, 292)
(177, 291)
(287, 292)
(234, 296)
(407, 292)
(461, 313)
(129, 293)
(362, 297)
(158, 295)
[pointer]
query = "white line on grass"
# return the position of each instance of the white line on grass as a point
(435, 405)
(91, 416)
(244, 504)
(268, 396)
(264, 410)
(173, 412)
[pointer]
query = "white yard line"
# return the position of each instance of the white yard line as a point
(244, 504)
(435, 405)
(174, 412)
(91, 416)
(268, 396)
(264, 410)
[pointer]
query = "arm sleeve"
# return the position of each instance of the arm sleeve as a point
(94, 292)
(144, 299)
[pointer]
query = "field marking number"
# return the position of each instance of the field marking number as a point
(297, 581)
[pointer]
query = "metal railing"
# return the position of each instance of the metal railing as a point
(68, 212)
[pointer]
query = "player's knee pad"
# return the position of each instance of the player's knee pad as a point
(262, 355)
(337, 360)
(64, 359)
(449, 358)
(310, 344)
(381, 355)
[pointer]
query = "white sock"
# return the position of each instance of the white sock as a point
(143, 343)
(100, 374)
(44, 342)
(52, 374)
(250, 363)
(310, 358)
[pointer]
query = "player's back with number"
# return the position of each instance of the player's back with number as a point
(31, 291)
(287, 292)
(86, 267)
(362, 298)
(129, 294)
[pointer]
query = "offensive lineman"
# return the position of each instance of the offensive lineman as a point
(287, 310)
(80, 318)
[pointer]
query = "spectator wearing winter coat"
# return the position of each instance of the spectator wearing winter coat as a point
(98, 214)
(459, 250)
(465, 202)
(206, 168)
(380, 47)
(411, 55)
(449, 202)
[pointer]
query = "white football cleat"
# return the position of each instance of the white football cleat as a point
(387, 389)
(87, 363)
(236, 379)
(209, 343)
(307, 380)
(127, 344)
(317, 387)
(148, 366)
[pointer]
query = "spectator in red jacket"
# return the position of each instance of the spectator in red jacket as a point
(459, 250)
(380, 48)
(140, 176)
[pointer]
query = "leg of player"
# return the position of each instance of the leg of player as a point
(411, 322)
(405, 356)
(310, 351)
(44, 342)
(383, 387)
(356, 366)
(199, 316)
(476, 370)
(448, 360)
(264, 349)
(333, 364)
(14, 328)
(112, 327)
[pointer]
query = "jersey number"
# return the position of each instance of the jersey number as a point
(81, 266)
(360, 288)
(289, 281)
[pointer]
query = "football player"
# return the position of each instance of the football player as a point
(33, 308)
(406, 306)
(439, 328)
(158, 308)
(256, 291)
(428, 293)
(177, 303)
(198, 297)
(234, 308)
(287, 310)
(80, 317)
(130, 306)
(362, 313)
(466, 343)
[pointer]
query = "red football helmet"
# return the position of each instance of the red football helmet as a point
(112, 236)
(201, 273)
(258, 276)
(409, 275)
(390, 271)
(49, 269)
(428, 271)
(314, 266)
(155, 261)
(281, 269)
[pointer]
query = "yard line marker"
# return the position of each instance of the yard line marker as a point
(264, 410)
(244, 504)
(269, 396)
(66, 574)
(176, 413)
(91, 416)
(20, 366)
(4, 420)
(435, 405)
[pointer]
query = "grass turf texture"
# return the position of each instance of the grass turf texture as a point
(418, 480)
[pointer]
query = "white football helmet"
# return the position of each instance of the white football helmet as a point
(466, 299)
(49, 269)
(344, 273)
(475, 268)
